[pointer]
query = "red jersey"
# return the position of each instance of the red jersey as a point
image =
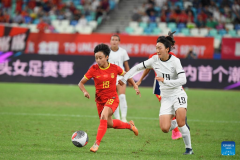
(156, 54)
(105, 81)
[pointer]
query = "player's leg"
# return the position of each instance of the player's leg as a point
(122, 101)
(102, 128)
(118, 124)
(166, 114)
(176, 134)
(180, 105)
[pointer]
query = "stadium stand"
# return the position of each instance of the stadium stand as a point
(56, 16)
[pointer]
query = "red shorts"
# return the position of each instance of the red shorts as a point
(111, 103)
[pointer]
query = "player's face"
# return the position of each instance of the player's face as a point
(114, 42)
(161, 50)
(101, 59)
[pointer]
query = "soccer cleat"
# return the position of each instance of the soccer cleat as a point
(133, 128)
(188, 151)
(176, 135)
(94, 148)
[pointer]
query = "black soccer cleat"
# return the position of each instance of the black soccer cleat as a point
(188, 151)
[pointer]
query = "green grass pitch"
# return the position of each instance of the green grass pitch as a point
(38, 120)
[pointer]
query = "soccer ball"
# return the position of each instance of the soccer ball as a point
(80, 138)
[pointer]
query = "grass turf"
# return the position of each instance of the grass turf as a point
(37, 121)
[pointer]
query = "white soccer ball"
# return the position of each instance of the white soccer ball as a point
(80, 138)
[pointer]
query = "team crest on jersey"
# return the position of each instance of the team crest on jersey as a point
(172, 69)
(112, 75)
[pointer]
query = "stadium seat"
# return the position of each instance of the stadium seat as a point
(203, 31)
(213, 32)
(65, 23)
(156, 31)
(129, 30)
(93, 24)
(181, 25)
(152, 25)
(133, 24)
(194, 32)
(69, 29)
(165, 31)
(185, 31)
(219, 37)
(73, 22)
(148, 30)
(143, 25)
(172, 25)
(237, 26)
(55, 23)
(33, 28)
(138, 31)
(233, 33)
(162, 25)
(222, 32)
(229, 26)
(238, 32)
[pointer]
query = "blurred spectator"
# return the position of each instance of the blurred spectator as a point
(152, 2)
(216, 15)
(61, 15)
(145, 18)
(160, 3)
(183, 17)
(191, 54)
(47, 6)
(4, 17)
(207, 12)
(190, 17)
(142, 9)
(220, 26)
(68, 14)
(95, 4)
(31, 4)
(150, 9)
(105, 5)
(173, 16)
(136, 16)
(18, 18)
(205, 3)
(6, 3)
(200, 23)
(19, 4)
(99, 12)
(72, 8)
(203, 16)
(163, 17)
(82, 21)
(152, 17)
(236, 7)
(178, 10)
(189, 10)
(46, 18)
(229, 18)
(42, 26)
(211, 23)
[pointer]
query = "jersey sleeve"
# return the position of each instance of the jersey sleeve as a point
(179, 68)
(148, 63)
(120, 71)
(125, 56)
(89, 73)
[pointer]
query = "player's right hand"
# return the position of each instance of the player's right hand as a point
(86, 94)
(138, 83)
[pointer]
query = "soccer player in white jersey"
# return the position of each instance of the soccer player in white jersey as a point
(119, 57)
(171, 77)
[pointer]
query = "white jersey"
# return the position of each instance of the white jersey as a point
(118, 57)
(169, 70)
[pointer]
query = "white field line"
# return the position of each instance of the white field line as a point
(92, 116)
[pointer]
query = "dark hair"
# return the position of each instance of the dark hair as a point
(167, 41)
(102, 48)
(115, 35)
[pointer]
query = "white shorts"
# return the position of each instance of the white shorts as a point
(170, 104)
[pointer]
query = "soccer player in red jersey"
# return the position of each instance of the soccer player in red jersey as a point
(104, 75)
(176, 134)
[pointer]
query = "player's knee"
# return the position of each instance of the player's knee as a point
(165, 130)
(181, 123)
(103, 117)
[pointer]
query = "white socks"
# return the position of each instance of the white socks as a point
(123, 108)
(116, 113)
(186, 136)
(173, 124)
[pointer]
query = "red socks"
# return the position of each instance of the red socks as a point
(102, 128)
(158, 97)
(117, 124)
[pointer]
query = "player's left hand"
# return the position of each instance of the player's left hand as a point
(137, 90)
(161, 79)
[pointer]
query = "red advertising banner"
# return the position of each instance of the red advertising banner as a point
(136, 46)
(230, 48)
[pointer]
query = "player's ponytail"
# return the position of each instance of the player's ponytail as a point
(167, 41)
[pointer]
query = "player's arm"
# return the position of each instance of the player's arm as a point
(82, 88)
(146, 71)
(139, 67)
(181, 80)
